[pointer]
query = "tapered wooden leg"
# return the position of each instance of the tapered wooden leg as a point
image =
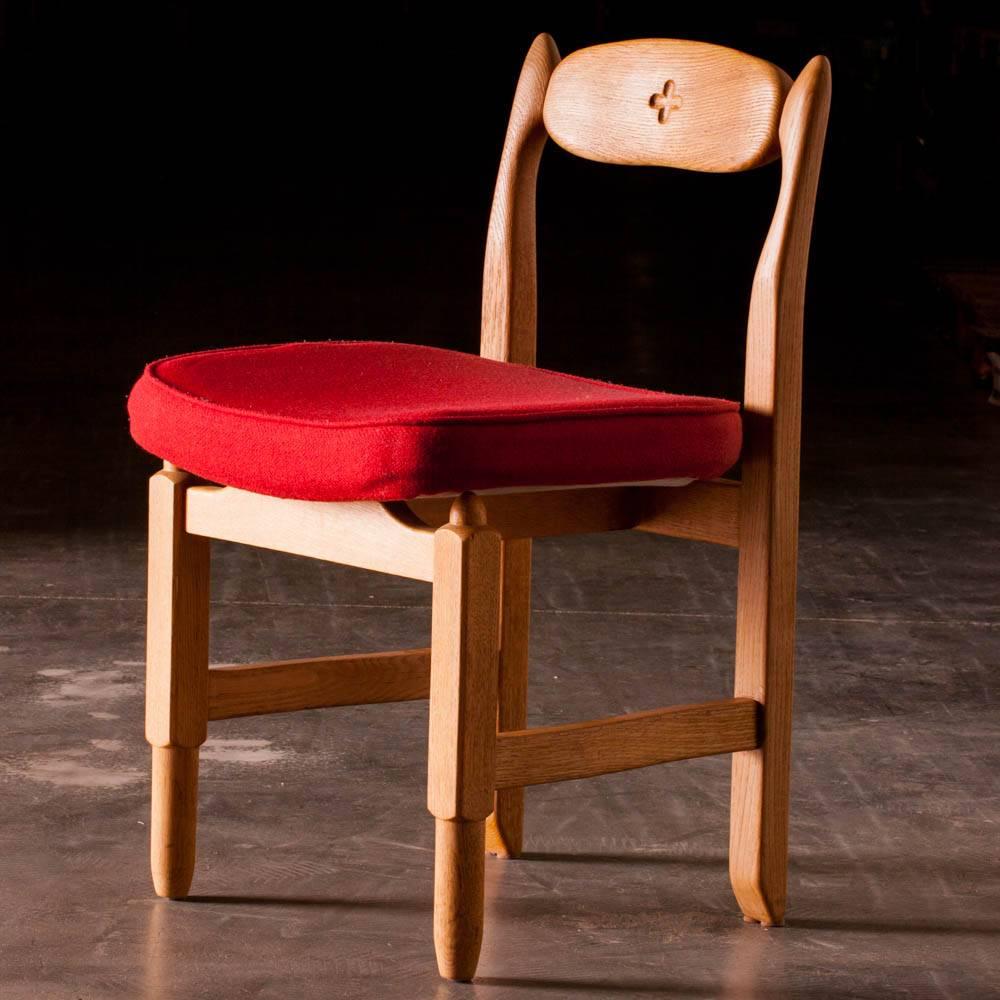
(505, 828)
(465, 652)
(459, 862)
(758, 853)
(765, 651)
(176, 680)
(173, 820)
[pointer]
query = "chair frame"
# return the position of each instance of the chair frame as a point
(477, 552)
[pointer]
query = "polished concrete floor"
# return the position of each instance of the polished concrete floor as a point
(315, 866)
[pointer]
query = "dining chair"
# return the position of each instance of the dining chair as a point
(443, 466)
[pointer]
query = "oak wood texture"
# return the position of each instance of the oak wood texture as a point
(291, 685)
(177, 619)
(509, 272)
(508, 333)
(465, 653)
(702, 511)
(173, 820)
(459, 872)
(544, 513)
(708, 511)
(669, 103)
(769, 500)
(365, 534)
(176, 680)
(505, 826)
(603, 746)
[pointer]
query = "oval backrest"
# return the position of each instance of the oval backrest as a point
(669, 103)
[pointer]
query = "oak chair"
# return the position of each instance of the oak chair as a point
(443, 467)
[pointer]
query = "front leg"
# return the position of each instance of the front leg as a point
(176, 679)
(463, 714)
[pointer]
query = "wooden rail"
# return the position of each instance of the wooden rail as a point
(366, 534)
(706, 511)
(603, 746)
(291, 685)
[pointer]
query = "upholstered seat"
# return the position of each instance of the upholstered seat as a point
(385, 421)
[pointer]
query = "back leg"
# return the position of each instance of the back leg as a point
(765, 664)
(505, 827)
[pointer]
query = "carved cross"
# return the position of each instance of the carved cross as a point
(665, 101)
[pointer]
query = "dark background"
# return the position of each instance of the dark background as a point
(192, 175)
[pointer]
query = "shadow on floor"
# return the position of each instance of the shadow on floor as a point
(602, 987)
(895, 926)
(295, 902)
(638, 858)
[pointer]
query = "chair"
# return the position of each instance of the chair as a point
(441, 466)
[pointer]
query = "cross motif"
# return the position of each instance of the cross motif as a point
(665, 101)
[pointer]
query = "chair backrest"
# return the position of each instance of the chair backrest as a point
(682, 104)
(667, 103)
(700, 107)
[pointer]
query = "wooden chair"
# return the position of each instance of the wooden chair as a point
(662, 102)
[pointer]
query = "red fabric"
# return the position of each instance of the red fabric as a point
(377, 421)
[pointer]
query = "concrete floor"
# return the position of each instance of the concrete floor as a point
(315, 866)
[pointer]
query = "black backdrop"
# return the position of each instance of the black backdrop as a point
(185, 175)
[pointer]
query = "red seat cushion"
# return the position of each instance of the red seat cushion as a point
(378, 421)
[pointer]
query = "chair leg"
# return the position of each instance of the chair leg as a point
(505, 827)
(459, 870)
(174, 819)
(765, 661)
(465, 652)
(176, 680)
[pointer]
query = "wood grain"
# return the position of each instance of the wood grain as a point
(176, 680)
(765, 620)
(544, 513)
(366, 534)
(177, 619)
(603, 746)
(292, 685)
(459, 873)
(707, 511)
(465, 653)
(604, 103)
(704, 511)
(509, 273)
(505, 827)
(509, 333)
(173, 820)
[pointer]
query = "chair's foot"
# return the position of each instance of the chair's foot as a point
(459, 871)
(760, 904)
(174, 820)
(758, 840)
(505, 825)
(761, 900)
